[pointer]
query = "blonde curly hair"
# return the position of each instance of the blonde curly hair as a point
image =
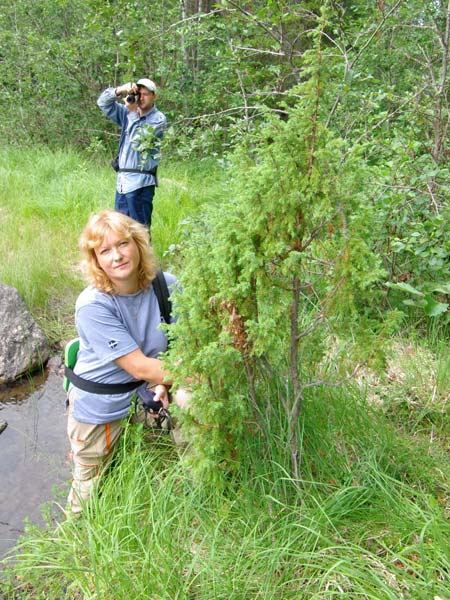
(92, 236)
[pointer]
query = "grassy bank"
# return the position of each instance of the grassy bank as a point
(369, 519)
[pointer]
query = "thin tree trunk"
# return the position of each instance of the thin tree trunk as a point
(184, 51)
(297, 391)
(440, 128)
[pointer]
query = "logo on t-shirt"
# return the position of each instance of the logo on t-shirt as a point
(112, 344)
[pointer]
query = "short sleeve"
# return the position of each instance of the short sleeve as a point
(102, 332)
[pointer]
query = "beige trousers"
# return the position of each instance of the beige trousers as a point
(92, 449)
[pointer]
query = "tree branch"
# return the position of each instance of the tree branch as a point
(349, 65)
(252, 18)
(228, 111)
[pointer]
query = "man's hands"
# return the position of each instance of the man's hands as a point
(125, 90)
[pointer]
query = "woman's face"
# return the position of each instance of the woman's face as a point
(119, 258)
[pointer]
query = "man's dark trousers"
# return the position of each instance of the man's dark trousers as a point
(137, 204)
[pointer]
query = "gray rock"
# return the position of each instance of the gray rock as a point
(3, 425)
(55, 363)
(23, 346)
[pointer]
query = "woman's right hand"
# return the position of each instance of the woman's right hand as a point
(161, 395)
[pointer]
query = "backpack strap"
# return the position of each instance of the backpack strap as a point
(162, 294)
(93, 387)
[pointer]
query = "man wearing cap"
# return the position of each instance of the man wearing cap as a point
(136, 177)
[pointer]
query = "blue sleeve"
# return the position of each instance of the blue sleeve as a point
(103, 333)
(110, 107)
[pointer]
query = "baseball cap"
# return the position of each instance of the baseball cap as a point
(147, 83)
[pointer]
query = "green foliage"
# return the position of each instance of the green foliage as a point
(294, 255)
(288, 268)
(427, 301)
(396, 110)
(215, 66)
(147, 143)
(415, 212)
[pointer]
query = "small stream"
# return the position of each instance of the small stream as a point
(33, 454)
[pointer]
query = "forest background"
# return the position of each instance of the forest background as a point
(307, 159)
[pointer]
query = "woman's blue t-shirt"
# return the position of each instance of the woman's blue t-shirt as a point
(110, 326)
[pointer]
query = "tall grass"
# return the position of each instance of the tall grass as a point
(46, 197)
(356, 528)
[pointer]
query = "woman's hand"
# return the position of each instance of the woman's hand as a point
(162, 395)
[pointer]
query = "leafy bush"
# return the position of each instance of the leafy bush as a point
(270, 276)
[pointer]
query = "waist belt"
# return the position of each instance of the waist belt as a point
(151, 172)
(100, 388)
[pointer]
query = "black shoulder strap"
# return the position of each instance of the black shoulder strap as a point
(142, 171)
(162, 294)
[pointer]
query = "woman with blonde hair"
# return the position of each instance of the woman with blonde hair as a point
(118, 321)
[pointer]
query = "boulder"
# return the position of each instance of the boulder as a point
(23, 346)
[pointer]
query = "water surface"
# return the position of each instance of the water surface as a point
(33, 454)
